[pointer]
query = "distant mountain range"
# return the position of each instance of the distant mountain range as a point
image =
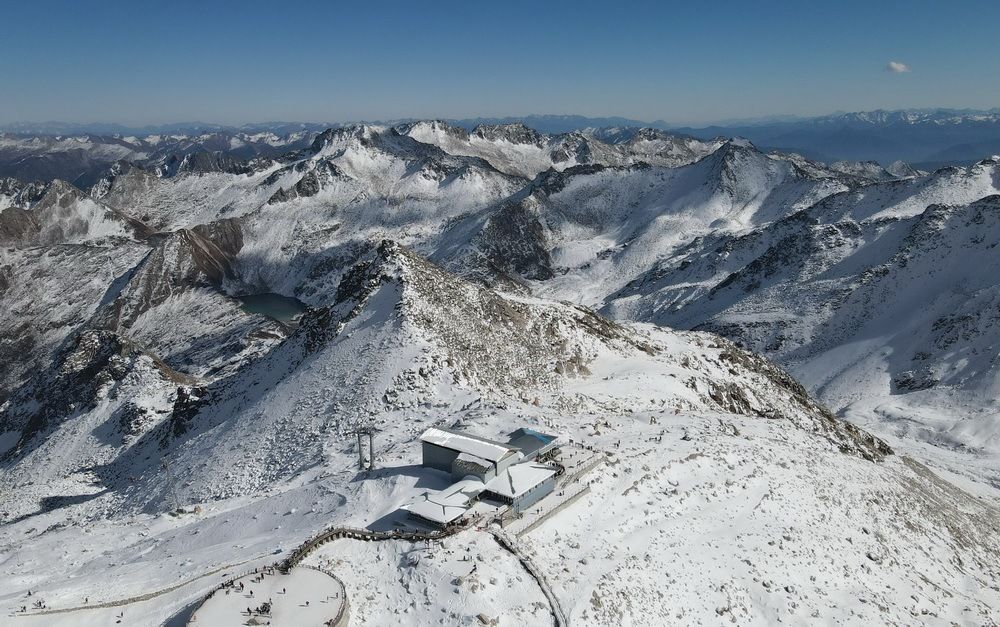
(623, 288)
(175, 128)
(925, 138)
(541, 123)
(929, 138)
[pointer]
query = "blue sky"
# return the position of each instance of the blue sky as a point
(145, 62)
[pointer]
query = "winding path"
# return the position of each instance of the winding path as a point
(508, 543)
(351, 533)
(138, 598)
(337, 533)
(504, 540)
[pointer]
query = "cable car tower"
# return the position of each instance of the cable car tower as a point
(362, 431)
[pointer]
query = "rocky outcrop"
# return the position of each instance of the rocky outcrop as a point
(512, 133)
(84, 372)
(65, 214)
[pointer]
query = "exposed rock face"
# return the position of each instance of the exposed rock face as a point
(49, 293)
(17, 225)
(65, 214)
(207, 162)
(178, 261)
(309, 185)
(515, 242)
(512, 133)
(473, 322)
(14, 192)
(433, 127)
(88, 369)
(848, 437)
(453, 279)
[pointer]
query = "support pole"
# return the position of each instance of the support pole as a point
(371, 450)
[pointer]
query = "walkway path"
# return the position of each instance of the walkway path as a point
(351, 533)
(287, 565)
(505, 541)
(509, 543)
(138, 598)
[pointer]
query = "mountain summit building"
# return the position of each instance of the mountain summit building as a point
(463, 455)
(482, 469)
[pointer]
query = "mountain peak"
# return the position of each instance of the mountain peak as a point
(516, 133)
(358, 132)
(416, 129)
(741, 142)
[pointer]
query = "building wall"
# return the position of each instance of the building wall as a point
(534, 495)
(435, 456)
(493, 496)
(504, 463)
(425, 521)
(460, 470)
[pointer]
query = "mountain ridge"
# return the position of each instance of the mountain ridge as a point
(144, 405)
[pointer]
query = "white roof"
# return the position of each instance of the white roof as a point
(464, 443)
(443, 513)
(519, 478)
(447, 505)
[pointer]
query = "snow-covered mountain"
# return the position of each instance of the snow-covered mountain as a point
(522, 151)
(877, 297)
(82, 158)
(497, 278)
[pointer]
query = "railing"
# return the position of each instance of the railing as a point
(221, 586)
(342, 611)
(365, 535)
(561, 505)
(589, 465)
(504, 540)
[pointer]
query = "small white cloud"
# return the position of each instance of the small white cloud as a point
(897, 67)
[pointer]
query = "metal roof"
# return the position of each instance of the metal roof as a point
(519, 478)
(465, 443)
(449, 504)
(530, 441)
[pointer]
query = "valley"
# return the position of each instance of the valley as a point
(790, 367)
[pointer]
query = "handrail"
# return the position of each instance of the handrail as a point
(342, 610)
(504, 540)
(310, 545)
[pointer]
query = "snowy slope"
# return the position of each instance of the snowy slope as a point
(405, 345)
(36, 321)
(63, 214)
(884, 312)
(134, 382)
(742, 507)
(423, 333)
(586, 232)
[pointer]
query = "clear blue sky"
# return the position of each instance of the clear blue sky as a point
(142, 62)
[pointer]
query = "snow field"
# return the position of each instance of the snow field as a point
(305, 596)
(450, 582)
